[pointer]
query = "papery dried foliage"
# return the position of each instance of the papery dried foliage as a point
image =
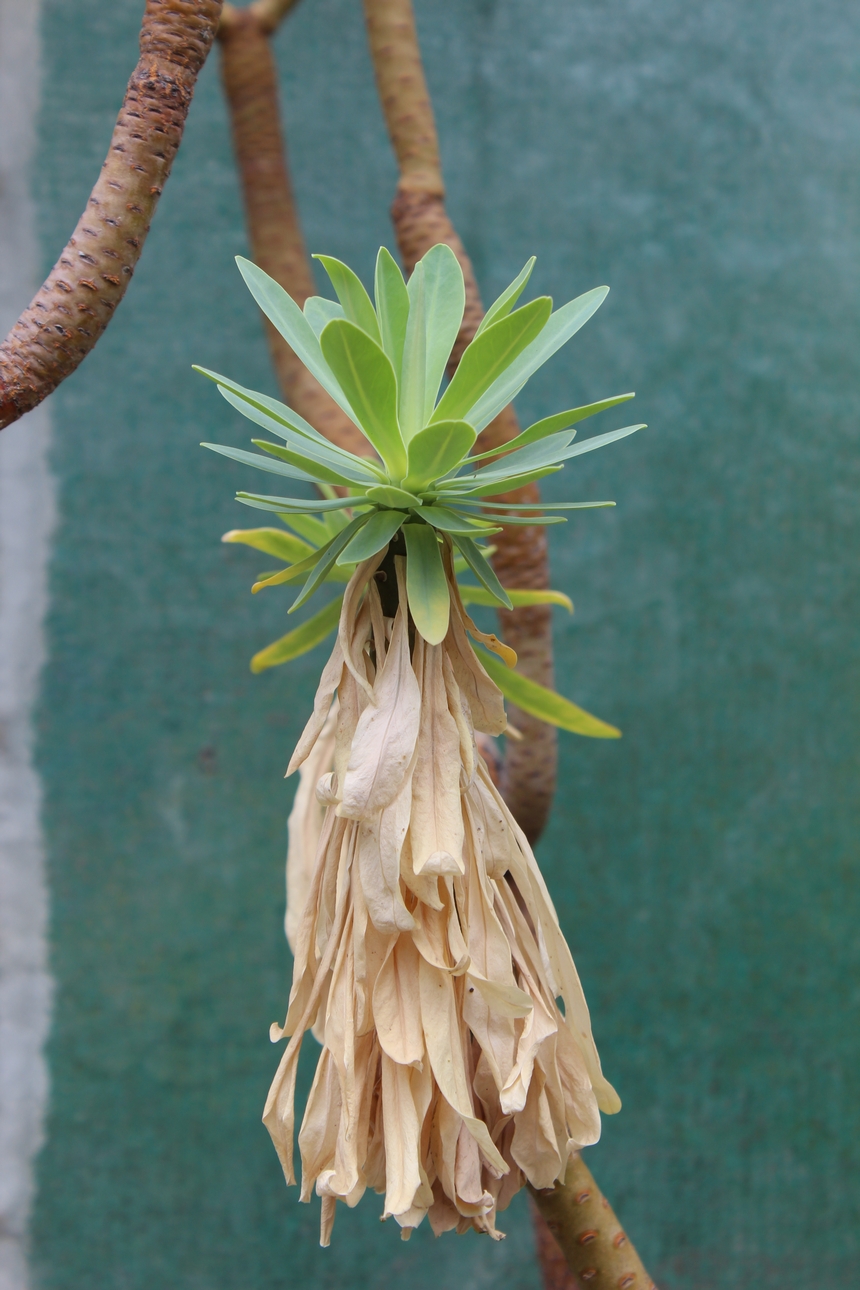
(428, 956)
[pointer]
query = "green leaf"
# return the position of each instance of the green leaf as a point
(482, 570)
(324, 565)
(284, 314)
(562, 325)
(276, 415)
(545, 704)
(273, 541)
(426, 584)
(444, 302)
(301, 505)
(530, 506)
(487, 358)
(548, 452)
(450, 522)
(392, 306)
(315, 464)
(551, 425)
(315, 532)
(526, 519)
(519, 599)
(394, 498)
(292, 573)
(377, 532)
(436, 450)
(497, 481)
(261, 463)
(501, 307)
(319, 311)
(317, 449)
(365, 372)
(501, 486)
(600, 440)
(301, 639)
(357, 305)
(413, 369)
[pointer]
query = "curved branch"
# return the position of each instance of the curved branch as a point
(277, 245)
(79, 297)
(420, 221)
(596, 1247)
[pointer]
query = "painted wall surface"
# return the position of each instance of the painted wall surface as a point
(704, 162)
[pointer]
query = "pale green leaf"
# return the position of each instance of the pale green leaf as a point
(396, 498)
(551, 425)
(545, 704)
(413, 368)
(548, 452)
(444, 302)
(319, 311)
(503, 305)
(284, 314)
(357, 305)
(330, 472)
(277, 417)
(316, 449)
(530, 506)
(300, 505)
(519, 599)
(501, 486)
(262, 463)
(426, 584)
(436, 450)
(293, 572)
(301, 639)
(315, 532)
(377, 533)
(487, 358)
(392, 306)
(328, 557)
(482, 570)
(273, 541)
(365, 372)
(450, 522)
(562, 325)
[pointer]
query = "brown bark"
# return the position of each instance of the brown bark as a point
(590, 1236)
(420, 221)
(79, 297)
(277, 245)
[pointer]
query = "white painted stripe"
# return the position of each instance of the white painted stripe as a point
(26, 519)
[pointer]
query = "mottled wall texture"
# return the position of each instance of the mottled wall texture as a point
(703, 160)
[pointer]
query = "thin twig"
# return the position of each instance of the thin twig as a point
(80, 295)
(420, 221)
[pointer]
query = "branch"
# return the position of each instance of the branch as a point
(420, 221)
(78, 299)
(277, 245)
(591, 1238)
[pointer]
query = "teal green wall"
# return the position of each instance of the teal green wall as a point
(704, 162)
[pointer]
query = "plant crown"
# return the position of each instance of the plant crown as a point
(384, 362)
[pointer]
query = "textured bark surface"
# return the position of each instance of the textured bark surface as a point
(79, 297)
(277, 245)
(596, 1247)
(420, 221)
(556, 1274)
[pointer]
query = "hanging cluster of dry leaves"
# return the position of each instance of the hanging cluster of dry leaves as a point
(428, 955)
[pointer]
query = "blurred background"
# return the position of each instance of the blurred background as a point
(705, 163)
